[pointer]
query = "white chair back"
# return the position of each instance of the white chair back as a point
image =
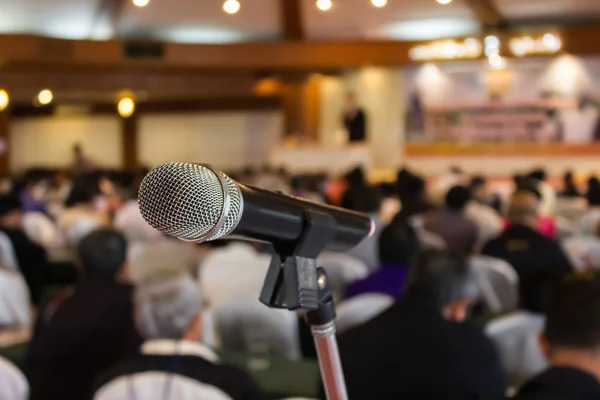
(342, 269)
(13, 384)
(79, 229)
(14, 300)
(41, 230)
(428, 240)
(565, 228)
(570, 208)
(583, 251)
(249, 325)
(516, 338)
(361, 309)
(8, 259)
(498, 283)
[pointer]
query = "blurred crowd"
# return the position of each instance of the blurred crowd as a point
(447, 299)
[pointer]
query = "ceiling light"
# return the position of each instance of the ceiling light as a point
(4, 99)
(45, 97)
(126, 107)
(231, 6)
(379, 3)
(551, 42)
(491, 51)
(141, 3)
(491, 41)
(444, 1)
(324, 5)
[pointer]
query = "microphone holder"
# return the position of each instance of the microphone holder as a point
(294, 281)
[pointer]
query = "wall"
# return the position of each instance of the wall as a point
(225, 140)
(48, 141)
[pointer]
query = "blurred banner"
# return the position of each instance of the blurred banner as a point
(537, 106)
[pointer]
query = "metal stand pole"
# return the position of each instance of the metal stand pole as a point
(294, 282)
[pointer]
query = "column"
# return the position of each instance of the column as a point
(129, 138)
(5, 141)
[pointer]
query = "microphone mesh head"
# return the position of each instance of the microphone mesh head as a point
(186, 201)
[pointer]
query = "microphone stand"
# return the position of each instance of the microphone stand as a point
(294, 282)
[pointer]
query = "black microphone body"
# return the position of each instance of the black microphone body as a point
(197, 203)
(279, 218)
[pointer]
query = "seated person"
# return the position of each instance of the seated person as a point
(451, 222)
(539, 261)
(173, 363)
(81, 216)
(31, 257)
(546, 225)
(78, 335)
(570, 342)
(13, 385)
(420, 348)
(396, 253)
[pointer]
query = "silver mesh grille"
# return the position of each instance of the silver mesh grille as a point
(186, 201)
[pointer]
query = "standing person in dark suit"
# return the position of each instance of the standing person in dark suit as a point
(570, 341)
(420, 348)
(79, 335)
(538, 260)
(355, 120)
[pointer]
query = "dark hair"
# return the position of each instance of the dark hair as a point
(538, 174)
(356, 176)
(477, 182)
(457, 198)
(570, 189)
(573, 318)
(398, 244)
(80, 193)
(441, 277)
(8, 203)
(414, 186)
(102, 253)
(365, 199)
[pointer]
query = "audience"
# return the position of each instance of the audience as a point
(479, 210)
(538, 260)
(81, 333)
(173, 363)
(420, 348)
(570, 341)
(569, 186)
(30, 257)
(80, 216)
(590, 219)
(451, 223)
(548, 194)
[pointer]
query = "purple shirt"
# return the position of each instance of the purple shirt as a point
(389, 279)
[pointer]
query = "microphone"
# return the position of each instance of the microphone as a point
(199, 203)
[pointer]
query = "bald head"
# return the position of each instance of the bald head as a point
(523, 208)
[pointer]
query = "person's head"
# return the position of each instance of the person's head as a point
(413, 187)
(523, 209)
(81, 193)
(102, 255)
(539, 174)
(356, 176)
(444, 279)
(351, 101)
(77, 150)
(478, 187)
(457, 198)
(572, 333)
(169, 309)
(398, 245)
(10, 211)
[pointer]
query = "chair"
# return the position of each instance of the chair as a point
(342, 269)
(498, 283)
(565, 228)
(41, 230)
(79, 229)
(8, 259)
(14, 299)
(569, 208)
(361, 309)
(13, 384)
(583, 251)
(428, 240)
(516, 338)
(249, 325)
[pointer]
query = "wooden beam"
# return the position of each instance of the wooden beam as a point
(23, 51)
(129, 142)
(5, 141)
(487, 13)
(292, 27)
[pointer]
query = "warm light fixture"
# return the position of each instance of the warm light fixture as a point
(126, 107)
(496, 62)
(527, 45)
(324, 5)
(469, 48)
(231, 6)
(141, 3)
(379, 3)
(4, 100)
(45, 97)
(444, 1)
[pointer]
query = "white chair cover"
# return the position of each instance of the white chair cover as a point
(41, 230)
(342, 269)
(361, 309)
(428, 240)
(583, 251)
(498, 283)
(14, 300)
(516, 338)
(249, 325)
(8, 259)
(13, 385)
